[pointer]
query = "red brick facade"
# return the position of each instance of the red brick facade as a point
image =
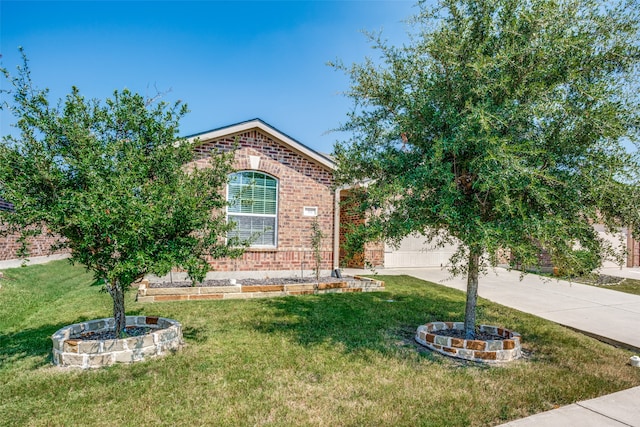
(633, 255)
(302, 183)
(633, 252)
(38, 246)
(373, 252)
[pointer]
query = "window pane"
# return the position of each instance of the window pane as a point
(245, 206)
(259, 230)
(270, 207)
(253, 193)
(258, 207)
(270, 194)
(258, 192)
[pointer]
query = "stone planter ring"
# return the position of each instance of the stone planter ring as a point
(70, 350)
(505, 348)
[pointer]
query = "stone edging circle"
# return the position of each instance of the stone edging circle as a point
(489, 351)
(165, 335)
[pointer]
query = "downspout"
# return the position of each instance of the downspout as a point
(336, 228)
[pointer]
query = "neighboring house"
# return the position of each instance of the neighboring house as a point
(633, 252)
(38, 246)
(416, 251)
(621, 240)
(10, 244)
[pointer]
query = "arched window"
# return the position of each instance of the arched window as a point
(253, 206)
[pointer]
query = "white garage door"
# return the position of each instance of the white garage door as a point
(618, 240)
(417, 252)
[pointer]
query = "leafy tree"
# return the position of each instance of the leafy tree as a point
(316, 244)
(501, 125)
(113, 180)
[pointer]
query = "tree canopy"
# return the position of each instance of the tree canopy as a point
(112, 180)
(503, 125)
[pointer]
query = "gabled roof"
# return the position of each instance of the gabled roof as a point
(269, 130)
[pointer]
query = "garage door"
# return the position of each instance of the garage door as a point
(417, 252)
(618, 240)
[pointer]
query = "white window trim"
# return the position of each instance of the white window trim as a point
(275, 234)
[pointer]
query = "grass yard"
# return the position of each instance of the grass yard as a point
(629, 286)
(336, 359)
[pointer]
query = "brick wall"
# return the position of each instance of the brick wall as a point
(633, 252)
(267, 147)
(38, 246)
(301, 183)
(544, 261)
(633, 255)
(373, 252)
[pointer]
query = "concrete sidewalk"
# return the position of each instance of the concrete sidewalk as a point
(608, 315)
(15, 263)
(621, 409)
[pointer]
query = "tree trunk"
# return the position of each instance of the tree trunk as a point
(472, 295)
(117, 294)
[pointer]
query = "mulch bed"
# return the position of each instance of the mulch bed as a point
(252, 282)
(459, 333)
(600, 280)
(130, 331)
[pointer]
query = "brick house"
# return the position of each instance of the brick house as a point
(279, 189)
(40, 245)
(291, 186)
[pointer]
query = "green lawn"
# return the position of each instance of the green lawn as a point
(629, 286)
(337, 359)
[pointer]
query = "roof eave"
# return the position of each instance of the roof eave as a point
(270, 130)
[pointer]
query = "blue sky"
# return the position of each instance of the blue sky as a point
(229, 61)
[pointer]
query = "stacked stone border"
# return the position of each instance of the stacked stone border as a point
(357, 284)
(165, 335)
(489, 351)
